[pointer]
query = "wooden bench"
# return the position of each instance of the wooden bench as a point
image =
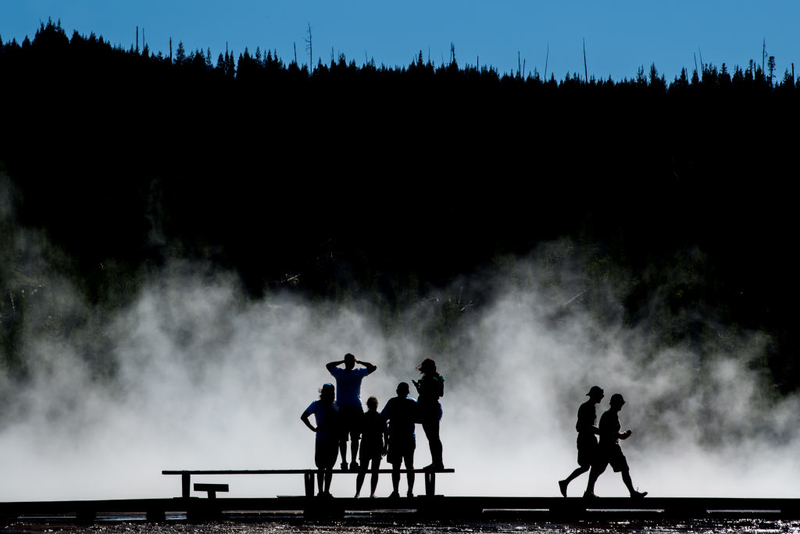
(308, 477)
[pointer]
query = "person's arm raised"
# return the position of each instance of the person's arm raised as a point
(370, 367)
(331, 365)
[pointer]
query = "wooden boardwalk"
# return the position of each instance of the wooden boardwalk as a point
(550, 509)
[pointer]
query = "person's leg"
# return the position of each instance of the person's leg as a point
(587, 452)
(578, 472)
(376, 465)
(431, 428)
(409, 460)
(362, 473)
(343, 451)
(355, 416)
(575, 474)
(345, 423)
(626, 478)
(354, 439)
(396, 479)
(594, 474)
(330, 463)
(320, 461)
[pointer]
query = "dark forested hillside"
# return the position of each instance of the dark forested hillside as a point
(372, 179)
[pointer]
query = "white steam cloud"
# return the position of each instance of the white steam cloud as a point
(200, 377)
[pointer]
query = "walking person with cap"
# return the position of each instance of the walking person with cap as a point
(587, 442)
(609, 452)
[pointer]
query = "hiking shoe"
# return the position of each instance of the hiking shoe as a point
(562, 485)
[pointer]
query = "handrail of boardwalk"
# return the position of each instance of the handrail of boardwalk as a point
(308, 476)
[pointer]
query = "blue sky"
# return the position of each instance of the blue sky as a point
(620, 35)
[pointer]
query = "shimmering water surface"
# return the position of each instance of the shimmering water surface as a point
(739, 526)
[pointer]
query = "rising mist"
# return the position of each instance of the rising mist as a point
(198, 375)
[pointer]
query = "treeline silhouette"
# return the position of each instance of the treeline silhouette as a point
(347, 180)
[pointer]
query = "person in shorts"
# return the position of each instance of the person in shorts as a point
(326, 415)
(374, 442)
(586, 442)
(401, 412)
(609, 452)
(348, 397)
(430, 388)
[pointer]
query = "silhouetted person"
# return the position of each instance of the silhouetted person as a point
(401, 412)
(326, 448)
(374, 442)
(609, 451)
(348, 397)
(430, 388)
(587, 442)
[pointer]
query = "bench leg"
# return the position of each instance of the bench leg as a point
(186, 485)
(430, 483)
(309, 482)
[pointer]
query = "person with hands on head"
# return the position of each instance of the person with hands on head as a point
(348, 397)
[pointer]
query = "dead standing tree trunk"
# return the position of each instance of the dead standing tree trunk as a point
(585, 68)
(310, 48)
